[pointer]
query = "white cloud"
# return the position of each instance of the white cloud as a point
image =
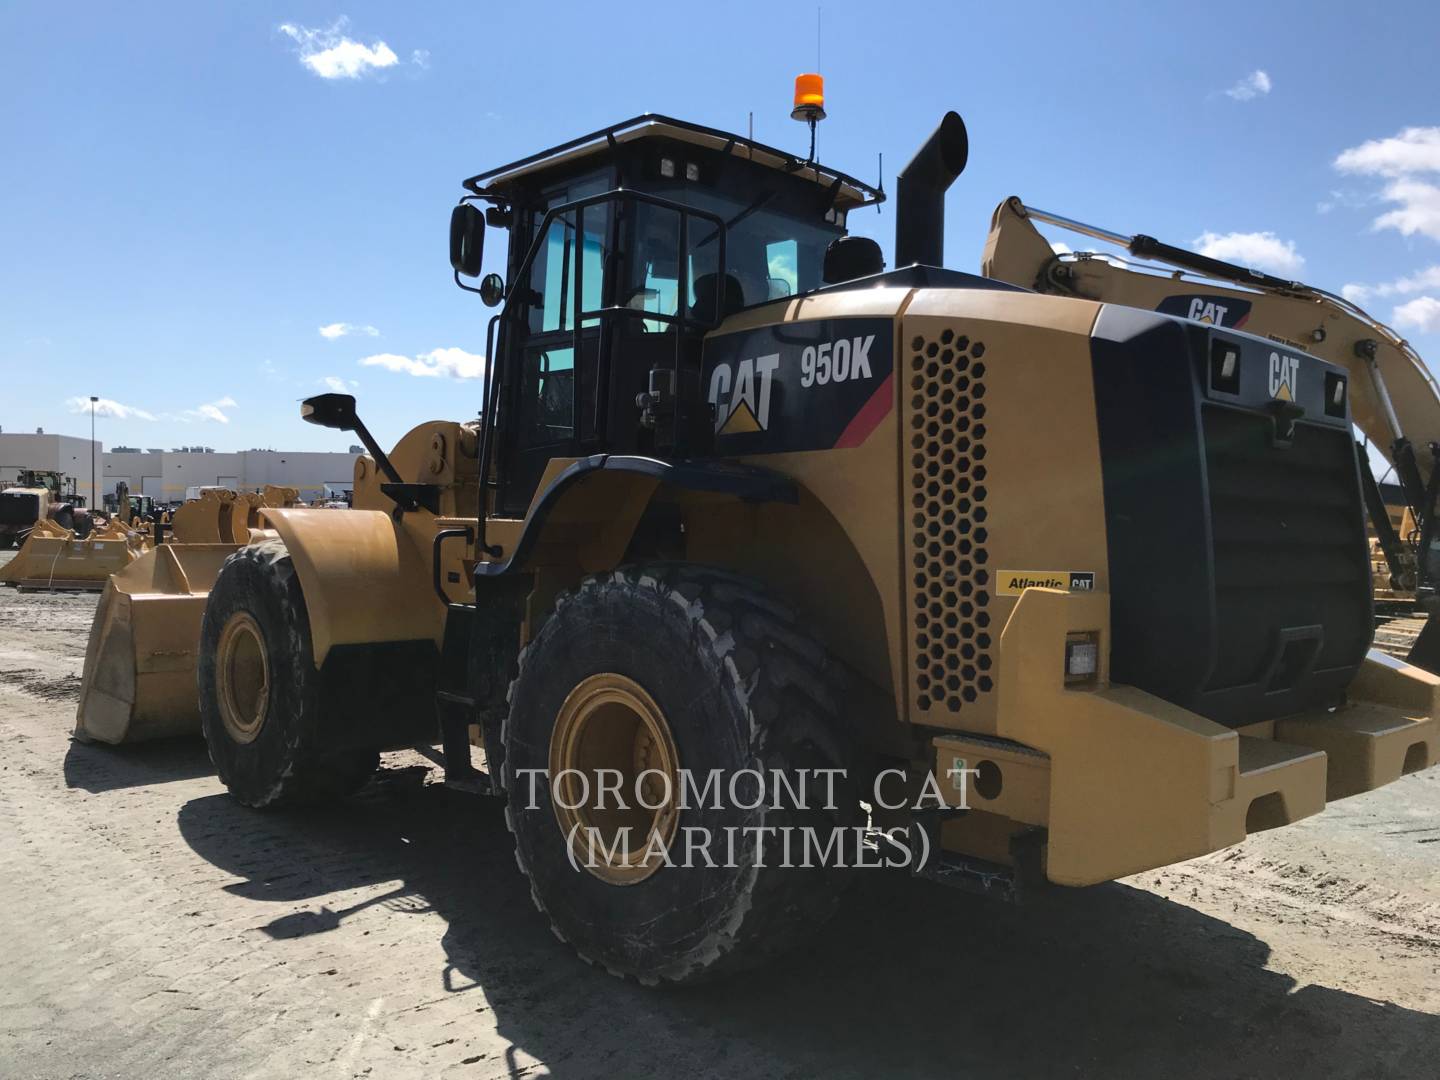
(339, 385)
(1254, 85)
(106, 407)
(1403, 160)
(452, 362)
(1415, 149)
(1061, 248)
(211, 411)
(1419, 210)
(1420, 281)
(1262, 250)
(332, 54)
(1422, 313)
(336, 330)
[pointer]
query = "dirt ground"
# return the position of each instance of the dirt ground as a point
(150, 926)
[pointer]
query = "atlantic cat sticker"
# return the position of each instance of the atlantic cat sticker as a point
(1228, 311)
(1014, 582)
(800, 386)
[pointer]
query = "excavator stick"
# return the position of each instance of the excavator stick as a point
(52, 558)
(139, 676)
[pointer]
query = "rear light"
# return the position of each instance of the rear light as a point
(1082, 658)
(1225, 367)
(1336, 389)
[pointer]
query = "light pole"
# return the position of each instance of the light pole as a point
(93, 453)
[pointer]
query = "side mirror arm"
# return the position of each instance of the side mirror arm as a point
(382, 461)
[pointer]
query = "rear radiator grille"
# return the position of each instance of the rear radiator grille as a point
(950, 585)
(1288, 545)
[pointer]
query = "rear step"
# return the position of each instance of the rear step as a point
(1368, 745)
(1278, 784)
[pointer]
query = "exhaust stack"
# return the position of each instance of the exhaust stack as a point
(920, 193)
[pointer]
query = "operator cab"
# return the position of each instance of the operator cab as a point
(627, 246)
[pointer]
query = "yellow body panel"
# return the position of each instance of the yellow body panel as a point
(363, 576)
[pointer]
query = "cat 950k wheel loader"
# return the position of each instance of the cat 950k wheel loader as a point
(1042, 589)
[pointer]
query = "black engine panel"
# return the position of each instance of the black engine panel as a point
(1239, 567)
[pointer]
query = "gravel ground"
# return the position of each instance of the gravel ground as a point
(149, 926)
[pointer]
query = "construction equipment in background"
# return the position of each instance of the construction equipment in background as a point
(1394, 399)
(131, 510)
(40, 495)
(54, 558)
(20, 509)
(745, 504)
(139, 676)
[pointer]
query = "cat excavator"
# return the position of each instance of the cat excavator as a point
(1394, 400)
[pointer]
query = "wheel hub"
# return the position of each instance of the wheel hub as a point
(242, 678)
(608, 726)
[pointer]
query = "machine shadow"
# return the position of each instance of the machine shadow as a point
(910, 979)
(99, 767)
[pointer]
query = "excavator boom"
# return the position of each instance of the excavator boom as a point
(1393, 397)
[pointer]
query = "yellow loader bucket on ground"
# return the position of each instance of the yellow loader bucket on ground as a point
(52, 558)
(139, 677)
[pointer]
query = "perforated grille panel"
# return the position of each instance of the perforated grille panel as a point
(950, 585)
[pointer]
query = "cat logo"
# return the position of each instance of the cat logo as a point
(742, 398)
(1207, 311)
(1209, 308)
(1284, 376)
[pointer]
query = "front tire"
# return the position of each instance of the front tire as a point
(678, 669)
(261, 706)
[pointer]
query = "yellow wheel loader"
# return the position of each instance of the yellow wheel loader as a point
(762, 553)
(1395, 402)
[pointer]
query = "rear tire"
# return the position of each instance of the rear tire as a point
(739, 685)
(261, 708)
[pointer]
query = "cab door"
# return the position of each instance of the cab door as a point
(551, 393)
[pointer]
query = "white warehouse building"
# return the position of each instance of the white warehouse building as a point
(167, 475)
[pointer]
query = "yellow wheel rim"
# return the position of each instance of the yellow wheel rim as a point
(610, 727)
(242, 678)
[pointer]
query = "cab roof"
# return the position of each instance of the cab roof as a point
(850, 193)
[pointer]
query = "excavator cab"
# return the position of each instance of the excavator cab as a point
(626, 247)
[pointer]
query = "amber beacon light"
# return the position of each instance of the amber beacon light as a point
(809, 98)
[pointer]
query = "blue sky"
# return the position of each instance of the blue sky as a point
(190, 192)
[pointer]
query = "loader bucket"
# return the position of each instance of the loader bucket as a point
(205, 520)
(243, 513)
(52, 558)
(140, 663)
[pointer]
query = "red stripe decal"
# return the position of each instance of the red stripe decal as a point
(868, 418)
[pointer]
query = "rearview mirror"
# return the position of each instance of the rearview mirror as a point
(492, 289)
(330, 411)
(467, 239)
